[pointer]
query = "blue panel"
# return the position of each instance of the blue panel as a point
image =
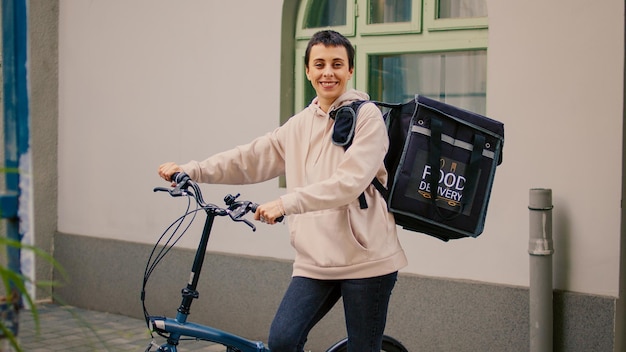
(8, 205)
(16, 118)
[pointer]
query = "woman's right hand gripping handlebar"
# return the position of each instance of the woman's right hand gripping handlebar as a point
(167, 170)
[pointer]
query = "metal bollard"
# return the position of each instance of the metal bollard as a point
(540, 248)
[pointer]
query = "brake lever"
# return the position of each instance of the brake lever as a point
(236, 211)
(247, 222)
(182, 184)
(238, 218)
(174, 192)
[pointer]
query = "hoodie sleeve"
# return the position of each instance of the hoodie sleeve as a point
(360, 163)
(258, 161)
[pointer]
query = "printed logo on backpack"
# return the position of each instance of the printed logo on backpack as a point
(451, 184)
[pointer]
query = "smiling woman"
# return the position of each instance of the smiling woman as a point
(329, 69)
(343, 250)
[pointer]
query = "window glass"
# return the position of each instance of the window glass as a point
(325, 13)
(462, 8)
(389, 11)
(456, 78)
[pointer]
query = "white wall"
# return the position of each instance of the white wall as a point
(145, 81)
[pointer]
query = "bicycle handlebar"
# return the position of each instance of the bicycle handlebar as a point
(236, 209)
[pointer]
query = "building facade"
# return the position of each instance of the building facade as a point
(118, 87)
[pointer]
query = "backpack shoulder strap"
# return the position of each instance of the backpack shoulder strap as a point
(379, 186)
(343, 133)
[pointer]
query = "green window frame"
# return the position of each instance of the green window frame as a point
(426, 33)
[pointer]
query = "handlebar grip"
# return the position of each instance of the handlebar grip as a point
(179, 177)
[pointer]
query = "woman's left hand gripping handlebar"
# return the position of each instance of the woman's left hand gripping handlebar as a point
(271, 212)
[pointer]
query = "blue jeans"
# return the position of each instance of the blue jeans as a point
(307, 300)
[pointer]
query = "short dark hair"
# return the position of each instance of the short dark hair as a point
(329, 38)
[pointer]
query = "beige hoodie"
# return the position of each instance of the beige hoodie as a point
(333, 237)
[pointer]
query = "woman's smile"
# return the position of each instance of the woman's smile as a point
(327, 84)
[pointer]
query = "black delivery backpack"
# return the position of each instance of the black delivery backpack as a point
(441, 163)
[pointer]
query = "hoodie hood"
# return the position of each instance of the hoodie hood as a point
(346, 98)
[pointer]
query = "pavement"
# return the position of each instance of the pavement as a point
(64, 328)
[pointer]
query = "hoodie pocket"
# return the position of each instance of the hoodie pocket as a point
(326, 239)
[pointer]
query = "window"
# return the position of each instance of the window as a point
(386, 11)
(461, 9)
(434, 48)
(325, 13)
(317, 14)
(390, 16)
(456, 78)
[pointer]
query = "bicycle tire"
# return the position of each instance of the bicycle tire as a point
(390, 344)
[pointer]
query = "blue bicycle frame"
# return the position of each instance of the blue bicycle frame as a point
(179, 327)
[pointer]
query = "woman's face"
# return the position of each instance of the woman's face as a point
(329, 73)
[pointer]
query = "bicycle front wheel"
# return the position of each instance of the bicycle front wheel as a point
(390, 344)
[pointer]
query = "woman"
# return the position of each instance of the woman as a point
(342, 251)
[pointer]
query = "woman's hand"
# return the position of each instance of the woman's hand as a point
(269, 212)
(167, 170)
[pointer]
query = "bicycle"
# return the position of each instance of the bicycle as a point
(179, 329)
